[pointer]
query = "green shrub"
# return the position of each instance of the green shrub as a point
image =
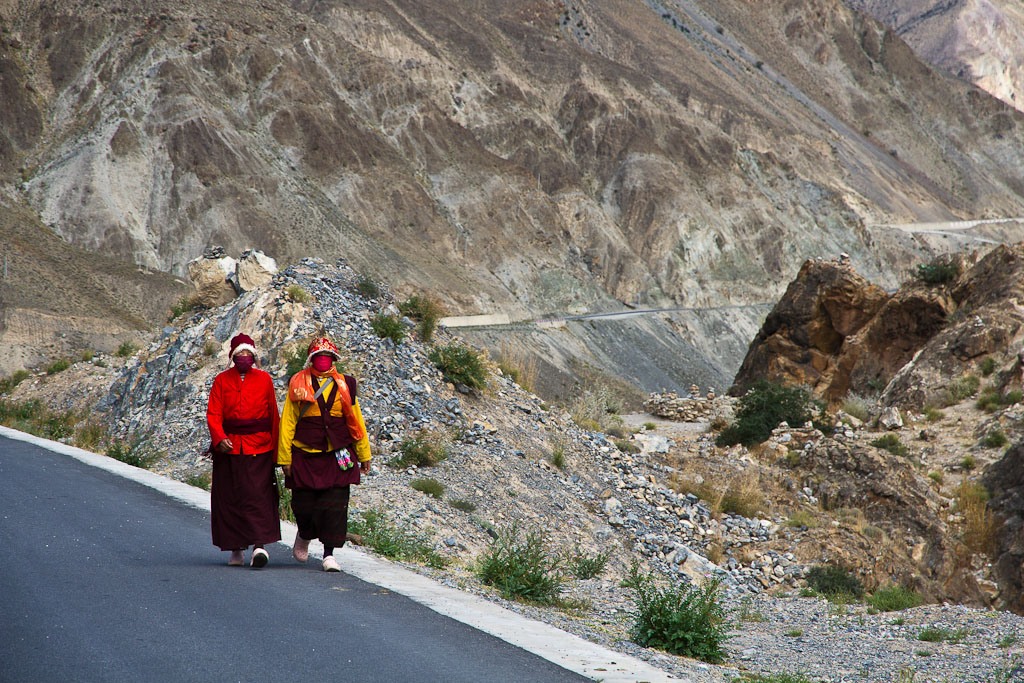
(938, 272)
(995, 439)
(933, 414)
(294, 359)
(201, 480)
(59, 365)
(834, 582)
(87, 355)
(585, 566)
(284, 503)
(388, 326)
(891, 443)
(424, 311)
(298, 294)
(520, 566)
(894, 599)
(682, 620)
(423, 449)
(968, 463)
(7, 384)
(186, 304)
(210, 348)
(1013, 397)
(597, 409)
(961, 388)
(464, 505)
(558, 457)
(987, 366)
(858, 407)
(762, 408)
(126, 349)
(429, 486)
(627, 446)
(133, 453)
(935, 634)
(382, 535)
(460, 365)
(90, 435)
(367, 288)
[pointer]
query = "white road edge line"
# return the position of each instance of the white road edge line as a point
(564, 649)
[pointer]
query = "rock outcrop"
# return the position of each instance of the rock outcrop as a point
(838, 334)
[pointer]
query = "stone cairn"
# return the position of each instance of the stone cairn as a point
(694, 407)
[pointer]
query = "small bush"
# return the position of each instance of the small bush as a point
(989, 400)
(834, 582)
(388, 327)
(126, 349)
(515, 362)
(995, 439)
(7, 384)
(960, 389)
(186, 304)
(397, 543)
(1013, 397)
(585, 566)
(979, 523)
(938, 272)
(424, 311)
(464, 505)
(87, 355)
(298, 294)
(968, 463)
(558, 457)
(201, 480)
(460, 365)
(284, 503)
(90, 435)
(210, 348)
(520, 566)
(597, 409)
(802, 519)
(627, 446)
(429, 486)
(937, 476)
(891, 443)
(933, 414)
(367, 288)
(935, 634)
(132, 453)
(682, 620)
(858, 407)
(987, 366)
(761, 410)
(59, 365)
(423, 449)
(894, 599)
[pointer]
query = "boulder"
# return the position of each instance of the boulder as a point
(210, 275)
(254, 270)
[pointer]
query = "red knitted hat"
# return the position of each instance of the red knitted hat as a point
(321, 345)
(242, 342)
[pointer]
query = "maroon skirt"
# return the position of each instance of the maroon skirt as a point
(244, 501)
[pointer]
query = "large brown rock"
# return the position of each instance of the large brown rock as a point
(801, 339)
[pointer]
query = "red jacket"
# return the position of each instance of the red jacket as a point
(235, 399)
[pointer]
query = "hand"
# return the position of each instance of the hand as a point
(225, 446)
(287, 469)
(364, 466)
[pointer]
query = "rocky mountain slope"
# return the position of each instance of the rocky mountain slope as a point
(978, 41)
(526, 158)
(660, 495)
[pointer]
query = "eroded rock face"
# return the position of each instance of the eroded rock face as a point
(1005, 482)
(836, 333)
(802, 338)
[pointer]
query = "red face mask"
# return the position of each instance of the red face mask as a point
(244, 363)
(322, 363)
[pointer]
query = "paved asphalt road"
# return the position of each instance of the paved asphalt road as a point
(105, 579)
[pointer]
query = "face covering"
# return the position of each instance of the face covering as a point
(322, 363)
(244, 363)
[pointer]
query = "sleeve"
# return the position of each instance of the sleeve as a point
(275, 415)
(362, 446)
(286, 432)
(215, 412)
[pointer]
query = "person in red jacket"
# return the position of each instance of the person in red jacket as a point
(322, 448)
(243, 420)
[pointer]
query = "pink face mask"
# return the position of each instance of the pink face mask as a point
(322, 363)
(244, 363)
